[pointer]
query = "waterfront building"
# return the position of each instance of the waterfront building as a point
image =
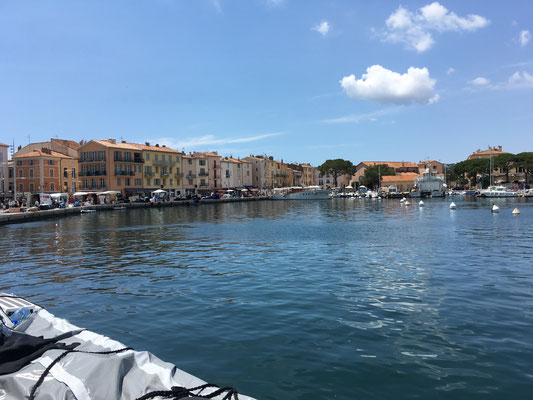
(162, 169)
(310, 175)
(262, 171)
(188, 165)
(433, 166)
(231, 173)
(41, 171)
(401, 182)
(297, 174)
(211, 168)
(111, 165)
(247, 174)
(490, 152)
(4, 180)
(398, 166)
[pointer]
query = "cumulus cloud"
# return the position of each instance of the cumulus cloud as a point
(322, 28)
(479, 81)
(524, 38)
(414, 28)
(385, 86)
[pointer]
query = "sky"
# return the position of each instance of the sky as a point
(302, 80)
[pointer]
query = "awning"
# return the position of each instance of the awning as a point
(110, 192)
(81, 194)
(160, 191)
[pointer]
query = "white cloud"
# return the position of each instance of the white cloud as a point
(206, 140)
(322, 28)
(479, 81)
(356, 118)
(385, 86)
(524, 38)
(414, 28)
(520, 80)
(450, 71)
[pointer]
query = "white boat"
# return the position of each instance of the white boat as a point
(430, 184)
(53, 359)
(300, 193)
(497, 191)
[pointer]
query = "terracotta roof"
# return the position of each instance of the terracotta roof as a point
(485, 154)
(135, 146)
(429, 162)
(40, 153)
(401, 177)
(69, 143)
(4, 145)
(392, 164)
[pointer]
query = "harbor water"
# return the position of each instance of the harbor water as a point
(332, 299)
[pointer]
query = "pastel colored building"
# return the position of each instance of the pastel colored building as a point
(40, 171)
(398, 166)
(212, 167)
(401, 182)
(111, 165)
(162, 169)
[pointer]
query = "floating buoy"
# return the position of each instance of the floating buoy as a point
(379, 198)
(516, 211)
(421, 203)
(406, 203)
(403, 200)
(495, 208)
(453, 206)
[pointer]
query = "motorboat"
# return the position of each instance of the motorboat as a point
(430, 184)
(300, 193)
(497, 191)
(45, 357)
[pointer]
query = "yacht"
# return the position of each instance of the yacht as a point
(430, 184)
(300, 193)
(497, 191)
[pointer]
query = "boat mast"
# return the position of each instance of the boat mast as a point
(490, 167)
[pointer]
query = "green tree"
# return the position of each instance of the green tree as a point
(372, 175)
(525, 161)
(475, 170)
(505, 161)
(336, 168)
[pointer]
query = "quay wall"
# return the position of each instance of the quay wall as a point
(19, 217)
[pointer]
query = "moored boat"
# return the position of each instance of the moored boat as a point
(300, 193)
(497, 191)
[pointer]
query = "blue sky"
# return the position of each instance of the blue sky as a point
(301, 80)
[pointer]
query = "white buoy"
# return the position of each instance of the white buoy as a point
(379, 198)
(421, 203)
(406, 203)
(516, 211)
(452, 206)
(403, 200)
(495, 208)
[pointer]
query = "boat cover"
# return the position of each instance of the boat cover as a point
(81, 374)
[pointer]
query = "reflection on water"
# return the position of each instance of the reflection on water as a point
(300, 300)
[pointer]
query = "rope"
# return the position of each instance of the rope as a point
(178, 392)
(59, 358)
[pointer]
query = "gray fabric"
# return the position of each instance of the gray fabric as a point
(127, 375)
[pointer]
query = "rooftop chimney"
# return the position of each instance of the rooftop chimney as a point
(157, 145)
(499, 148)
(112, 141)
(123, 141)
(147, 143)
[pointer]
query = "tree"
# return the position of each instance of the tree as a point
(372, 174)
(336, 168)
(505, 161)
(475, 170)
(525, 161)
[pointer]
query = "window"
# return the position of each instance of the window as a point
(202, 182)
(138, 182)
(19, 163)
(202, 162)
(32, 162)
(189, 161)
(31, 174)
(32, 187)
(227, 173)
(147, 181)
(148, 156)
(21, 187)
(163, 157)
(157, 182)
(102, 183)
(52, 186)
(118, 156)
(171, 182)
(118, 182)
(73, 172)
(94, 184)
(85, 184)
(127, 156)
(65, 173)
(51, 173)
(128, 182)
(156, 170)
(190, 181)
(20, 173)
(137, 169)
(156, 157)
(51, 162)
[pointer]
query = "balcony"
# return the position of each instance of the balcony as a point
(95, 173)
(125, 173)
(149, 174)
(190, 176)
(138, 160)
(91, 159)
(204, 173)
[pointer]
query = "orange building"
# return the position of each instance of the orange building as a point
(110, 165)
(39, 171)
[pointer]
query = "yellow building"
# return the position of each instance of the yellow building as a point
(162, 169)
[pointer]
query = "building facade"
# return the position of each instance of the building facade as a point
(4, 171)
(162, 169)
(109, 165)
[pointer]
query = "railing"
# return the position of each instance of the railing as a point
(95, 173)
(130, 173)
(203, 173)
(149, 174)
(138, 160)
(190, 176)
(92, 159)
